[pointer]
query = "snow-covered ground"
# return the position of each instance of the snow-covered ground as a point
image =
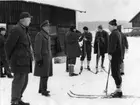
(86, 83)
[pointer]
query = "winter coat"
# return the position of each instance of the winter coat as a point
(88, 36)
(2, 51)
(102, 39)
(72, 45)
(2, 43)
(18, 49)
(115, 46)
(43, 52)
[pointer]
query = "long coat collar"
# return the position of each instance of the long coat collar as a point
(45, 34)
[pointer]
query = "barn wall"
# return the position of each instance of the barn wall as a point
(61, 19)
(136, 21)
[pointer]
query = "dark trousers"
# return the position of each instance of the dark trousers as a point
(43, 84)
(86, 50)
(72, 60)
(67, 64)
(19, 85)
(102, 59)
(115, 69)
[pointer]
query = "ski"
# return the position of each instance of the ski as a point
(90, 71)
(104, 70)
(87, 70)
(84, 95)
(75, 95)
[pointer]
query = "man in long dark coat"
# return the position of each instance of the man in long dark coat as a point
(100, 46)
(19, 54)
(3, 61)
(72, 49)
(43, 57)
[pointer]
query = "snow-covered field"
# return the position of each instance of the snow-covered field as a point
(86, 83)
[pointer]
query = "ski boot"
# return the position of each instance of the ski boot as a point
(45, 93)
(116, 94)
(96, 70)
(88, 68)
(81, 69)
(41, 91)
(73, 74)
(23, 103)
(71, 71)
(102, 68)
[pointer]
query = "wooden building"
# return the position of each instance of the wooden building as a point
(136, 20)
(61, 18)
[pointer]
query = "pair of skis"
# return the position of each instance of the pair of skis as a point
(103, 69)
(74, 95)
(84, 96)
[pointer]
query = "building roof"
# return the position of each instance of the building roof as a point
(67, 4)
(134, 17)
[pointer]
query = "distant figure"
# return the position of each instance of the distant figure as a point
(86, 48)
(19, 53)
(72, 49)
(43, 57)
(3, 61)
(124, 48)
(100, 46)
(115, 56)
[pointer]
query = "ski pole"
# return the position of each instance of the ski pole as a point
(106, 88)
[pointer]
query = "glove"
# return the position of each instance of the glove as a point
(39, 63)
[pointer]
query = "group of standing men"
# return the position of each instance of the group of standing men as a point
(114, 44)
(19, 54)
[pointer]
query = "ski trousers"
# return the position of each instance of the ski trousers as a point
(115, 69)
(86, 50)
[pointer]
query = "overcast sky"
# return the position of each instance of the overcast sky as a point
(105, 10)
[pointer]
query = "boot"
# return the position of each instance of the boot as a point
(23, 103)
(15, 103)
(71, 71)
(81, 69)
(122, 68)
(41, 92)
(102, 68)
(96, 70)
(116, 94)
(45, 93)
(88, 68)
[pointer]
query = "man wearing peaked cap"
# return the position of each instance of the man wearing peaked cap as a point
(43, 58)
